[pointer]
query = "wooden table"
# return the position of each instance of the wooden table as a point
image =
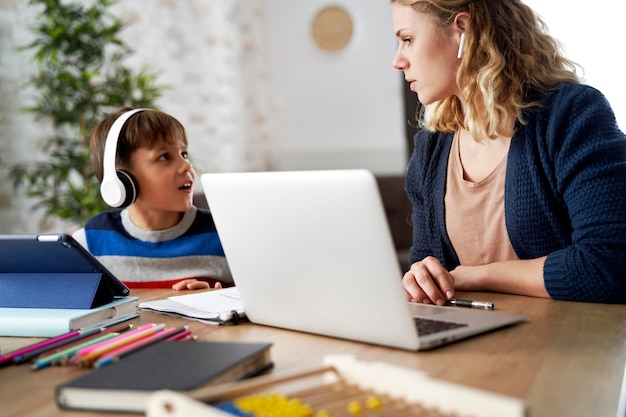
(566, 360)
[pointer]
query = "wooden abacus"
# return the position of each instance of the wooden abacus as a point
(344, 387)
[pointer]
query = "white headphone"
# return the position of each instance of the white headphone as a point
(118, 188)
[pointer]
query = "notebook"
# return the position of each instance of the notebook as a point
(311, 251)
(179, 366)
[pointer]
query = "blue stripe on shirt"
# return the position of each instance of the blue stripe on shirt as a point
(111, 243)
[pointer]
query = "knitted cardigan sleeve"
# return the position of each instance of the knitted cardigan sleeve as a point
(570, 203)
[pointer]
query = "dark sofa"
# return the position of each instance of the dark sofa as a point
(398, 210)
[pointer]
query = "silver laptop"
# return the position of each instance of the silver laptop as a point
(312, 251)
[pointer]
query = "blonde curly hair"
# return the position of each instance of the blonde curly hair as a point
(507, 51)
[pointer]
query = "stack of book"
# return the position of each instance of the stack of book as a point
(50, 322)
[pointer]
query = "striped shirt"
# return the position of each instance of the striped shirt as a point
(144, 258)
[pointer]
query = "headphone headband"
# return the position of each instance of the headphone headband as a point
(118, 188)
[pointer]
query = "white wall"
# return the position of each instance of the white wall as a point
(345, 110)
(326, 110)
(335, 110)
(592, 34)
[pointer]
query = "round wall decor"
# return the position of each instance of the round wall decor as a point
(332, 28)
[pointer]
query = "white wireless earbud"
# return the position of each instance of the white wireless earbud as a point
(461, 46)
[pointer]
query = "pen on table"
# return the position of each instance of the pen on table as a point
(471, 304)
(9, 357)
(119, 353)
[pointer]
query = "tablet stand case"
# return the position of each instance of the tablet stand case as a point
(51, 273)
(72, 290)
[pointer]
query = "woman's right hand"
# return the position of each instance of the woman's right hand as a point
(427, 281)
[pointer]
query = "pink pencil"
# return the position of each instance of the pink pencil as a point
(179, 336)
(8, 358)
(116, 354)
(122, 340)
(87, 350)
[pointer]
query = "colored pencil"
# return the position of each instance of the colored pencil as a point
(9, 358)
(62, 356)
(34, 353)
(179, 336)
(87, 356)
(117, 330)
(86, 351)
(119, 353)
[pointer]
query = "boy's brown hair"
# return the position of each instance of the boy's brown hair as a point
(143, 130)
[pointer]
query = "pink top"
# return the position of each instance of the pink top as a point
(475, 214)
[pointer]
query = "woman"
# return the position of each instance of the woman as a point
(518, 175)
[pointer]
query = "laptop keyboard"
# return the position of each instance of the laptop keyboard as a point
(430, 326)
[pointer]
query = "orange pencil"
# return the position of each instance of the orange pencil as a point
(93, 353)
(116, 354)
(61, 356)
(140, 329)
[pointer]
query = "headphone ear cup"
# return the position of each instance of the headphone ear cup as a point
(118, 187)
(130, 187)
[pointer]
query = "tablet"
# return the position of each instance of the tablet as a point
(53, 271)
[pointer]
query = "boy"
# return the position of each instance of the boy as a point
(156, 238)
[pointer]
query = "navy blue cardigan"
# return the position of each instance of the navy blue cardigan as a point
(565, 195)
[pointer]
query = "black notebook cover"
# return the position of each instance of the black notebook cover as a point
(175, 365)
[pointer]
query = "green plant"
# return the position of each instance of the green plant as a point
(81, 77)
